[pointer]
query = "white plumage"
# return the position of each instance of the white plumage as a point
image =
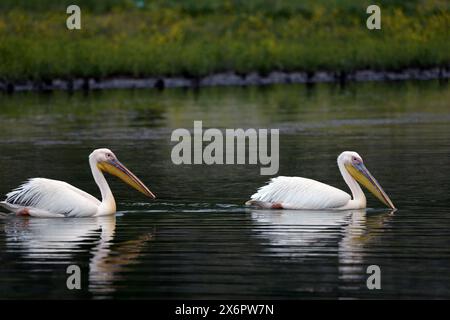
(301, 193)
(46, 197)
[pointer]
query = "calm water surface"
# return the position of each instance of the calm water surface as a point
(198, 240)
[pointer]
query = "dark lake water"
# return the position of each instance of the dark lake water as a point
(197, 240)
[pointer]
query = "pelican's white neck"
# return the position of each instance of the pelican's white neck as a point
(357, 193)
(108, 204)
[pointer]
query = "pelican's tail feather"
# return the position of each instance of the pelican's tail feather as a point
(10, 207)
(3, 214)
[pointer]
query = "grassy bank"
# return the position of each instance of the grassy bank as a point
(196, 38)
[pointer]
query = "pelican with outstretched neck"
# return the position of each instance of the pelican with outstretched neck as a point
(303, 193)
(41, 197)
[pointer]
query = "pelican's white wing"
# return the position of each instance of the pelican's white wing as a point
(301, 193)
(51, 197)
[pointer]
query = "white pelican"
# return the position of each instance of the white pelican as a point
(41, 197)
(302, 193)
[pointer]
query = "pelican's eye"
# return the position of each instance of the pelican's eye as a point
(355, 160)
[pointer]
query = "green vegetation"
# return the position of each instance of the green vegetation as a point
(195, 38)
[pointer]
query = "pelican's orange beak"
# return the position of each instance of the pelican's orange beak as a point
(117, 169)
(363, 176)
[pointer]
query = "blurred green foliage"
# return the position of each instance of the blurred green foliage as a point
(196, 38)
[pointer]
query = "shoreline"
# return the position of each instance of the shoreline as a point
(225, 79)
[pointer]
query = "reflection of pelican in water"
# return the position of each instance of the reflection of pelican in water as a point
(314, 239)
(41, 197)
(302, 193)
(301, 233)
(296, 233)
(58, 240)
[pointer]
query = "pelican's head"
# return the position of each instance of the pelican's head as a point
(106, 161)
(355, 166)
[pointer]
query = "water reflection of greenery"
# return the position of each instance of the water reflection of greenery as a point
(227, 107)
